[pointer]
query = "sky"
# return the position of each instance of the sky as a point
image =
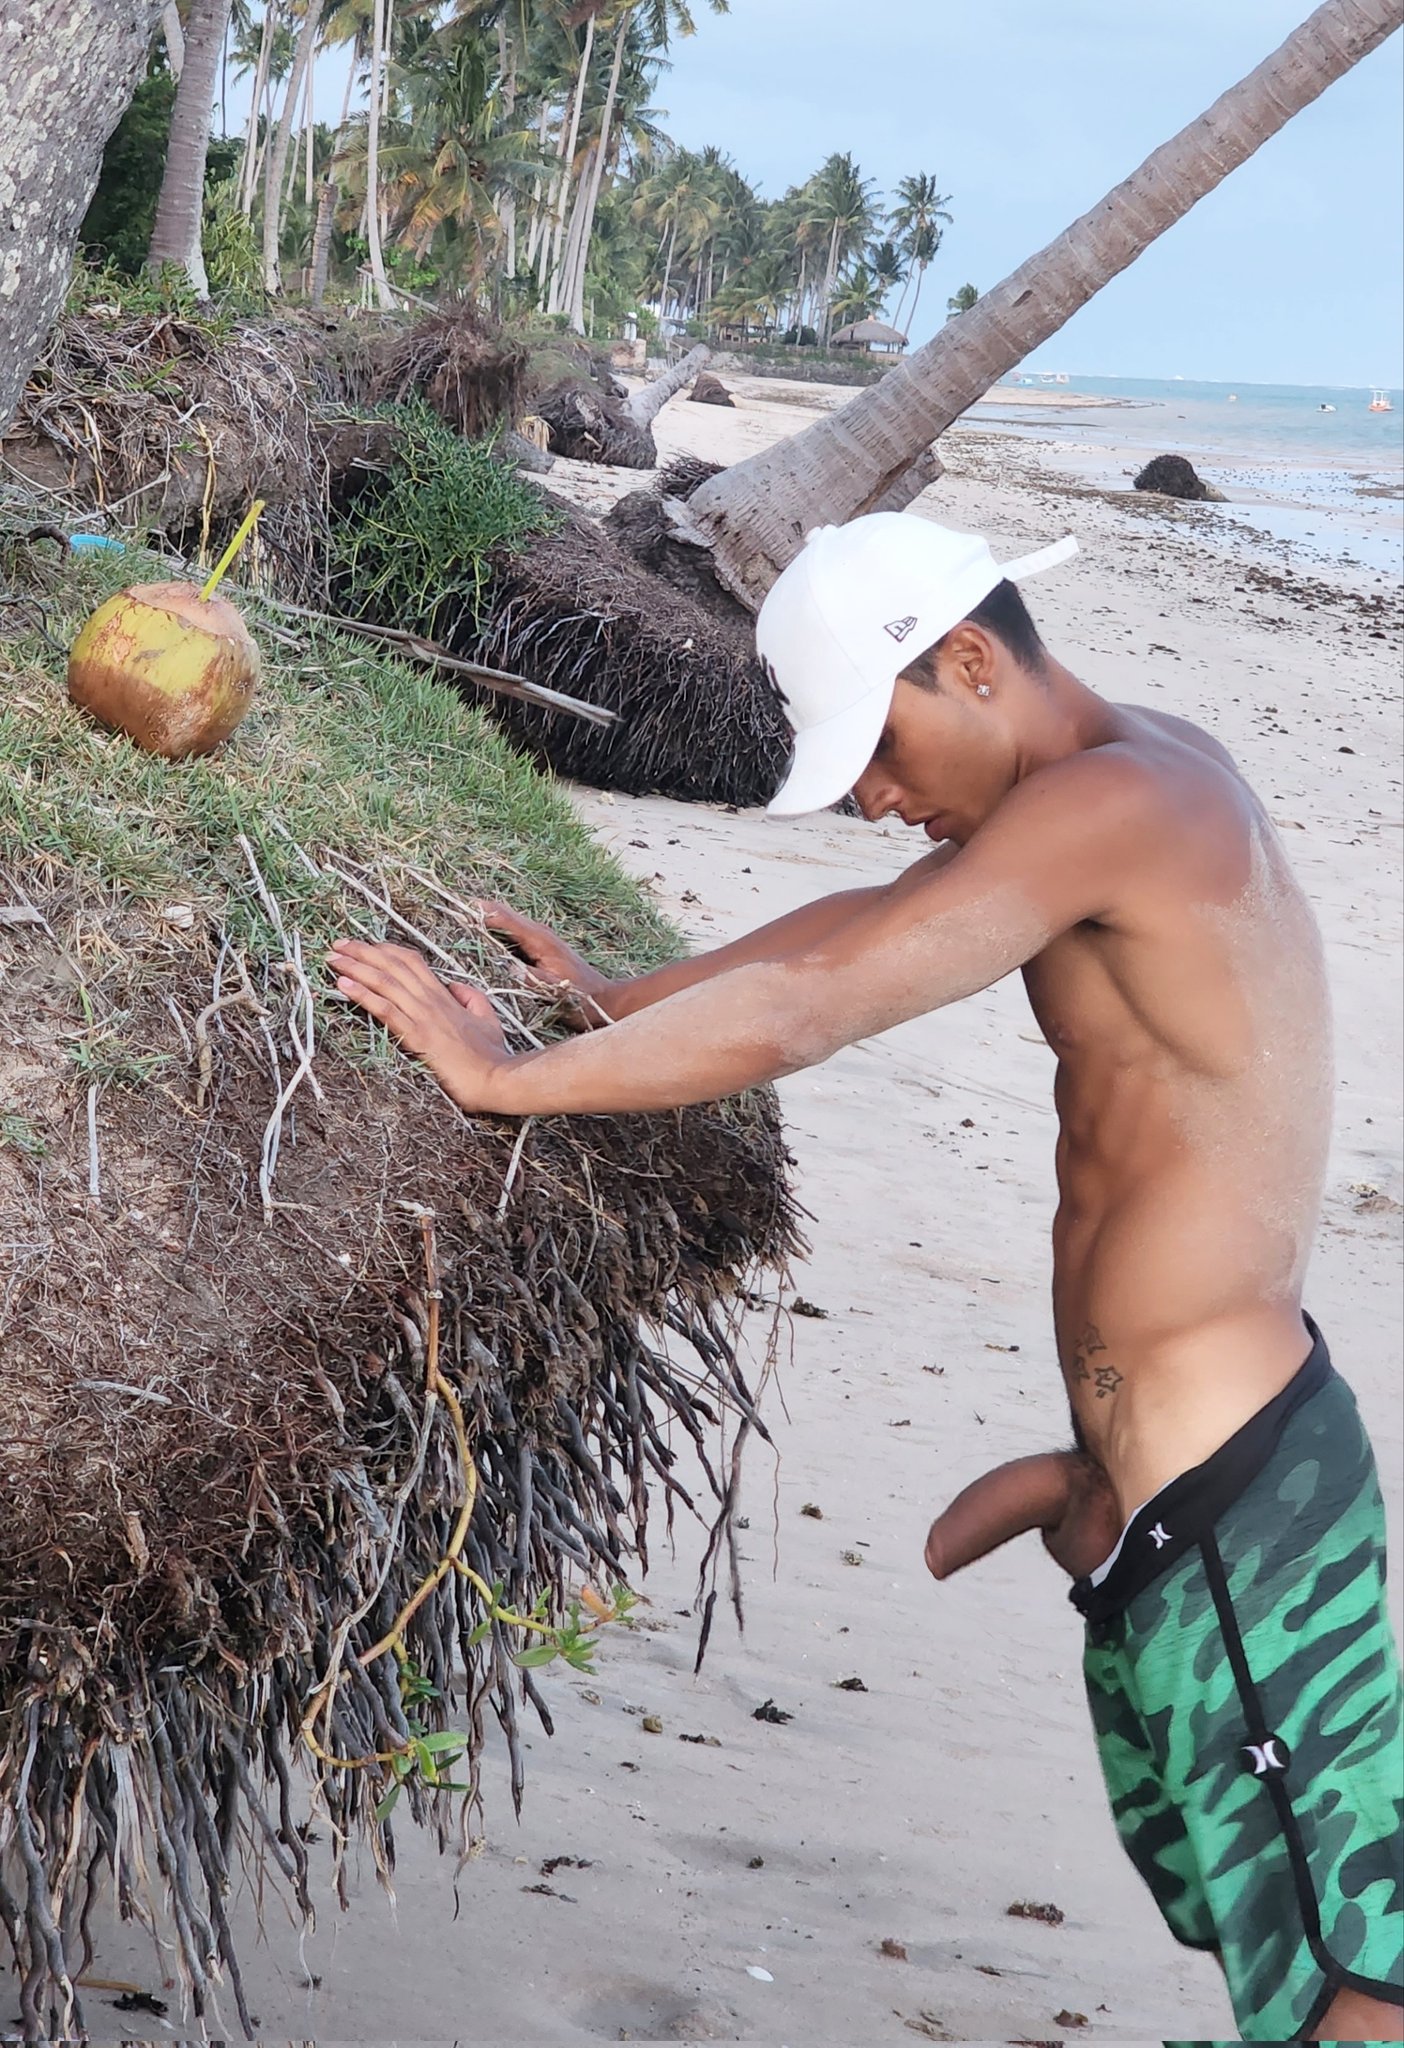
(1027, 113)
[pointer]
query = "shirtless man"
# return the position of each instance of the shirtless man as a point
(1220, 1513)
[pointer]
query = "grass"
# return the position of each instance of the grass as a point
(345, 752)
(411, 547)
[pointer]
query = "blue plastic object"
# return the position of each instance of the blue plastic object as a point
(95, 540)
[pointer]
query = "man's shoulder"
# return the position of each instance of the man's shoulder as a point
(1141, 811)
(1168, 725)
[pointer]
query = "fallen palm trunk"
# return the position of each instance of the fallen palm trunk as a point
(649, 400)
(319, 1397)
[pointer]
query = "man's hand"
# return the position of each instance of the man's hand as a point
(1065, 1494)
(452, 1028)
(553, 966)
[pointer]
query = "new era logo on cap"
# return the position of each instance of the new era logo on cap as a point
(899, 628)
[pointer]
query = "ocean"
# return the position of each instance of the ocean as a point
(1309, 465)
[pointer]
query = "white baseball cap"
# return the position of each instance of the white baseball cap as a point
(848, 614)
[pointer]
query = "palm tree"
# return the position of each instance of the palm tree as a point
(918, 217)
(857, 297)
(273, 194)
(961, 301)
(375, 87)
(754, 514)
(889, 267)
(447, 172)
(842, 207)
(678, 205)
(175, 234)
(653, 19)
(348, 23)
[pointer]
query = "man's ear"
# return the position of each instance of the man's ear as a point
(969, 658)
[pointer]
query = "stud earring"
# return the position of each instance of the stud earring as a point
(982, 689)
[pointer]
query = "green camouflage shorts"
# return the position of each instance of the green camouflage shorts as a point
(1248, 1705)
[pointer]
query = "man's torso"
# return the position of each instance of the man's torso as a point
(1193, 1092)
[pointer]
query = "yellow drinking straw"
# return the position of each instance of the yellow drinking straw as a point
(233, 548)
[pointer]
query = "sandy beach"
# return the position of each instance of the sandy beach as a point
(684, 1870)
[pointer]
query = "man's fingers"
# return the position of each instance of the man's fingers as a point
(375, 1004)
(390, 968)
(473, 1001)
(500, 917)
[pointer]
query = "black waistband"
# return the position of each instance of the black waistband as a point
(1186, 1508)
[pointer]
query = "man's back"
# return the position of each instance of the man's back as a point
(1194, 1084)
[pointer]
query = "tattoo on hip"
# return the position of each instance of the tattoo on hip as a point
(1104, 1377)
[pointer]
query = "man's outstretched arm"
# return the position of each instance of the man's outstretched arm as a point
(1047, 859)
(602, 1001)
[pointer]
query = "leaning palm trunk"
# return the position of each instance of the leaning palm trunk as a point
(175, 237)
(575, 296)
(579, 232)
(553, 299)
(326, 198)
(273, 196)
(754, 516)
(383, 294)
(645, 405)
(61, 96)
(248, 172)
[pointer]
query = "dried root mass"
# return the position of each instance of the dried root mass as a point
(218, 1192)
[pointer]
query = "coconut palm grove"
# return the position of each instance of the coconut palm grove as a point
(511, 150)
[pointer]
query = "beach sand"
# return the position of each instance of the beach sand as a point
(742, 1887)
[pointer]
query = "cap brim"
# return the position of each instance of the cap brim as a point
(830, 757)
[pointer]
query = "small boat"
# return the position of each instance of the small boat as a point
(1325, 408)
(1380, 401)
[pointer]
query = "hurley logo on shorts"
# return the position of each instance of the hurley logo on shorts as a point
(1267, 1757)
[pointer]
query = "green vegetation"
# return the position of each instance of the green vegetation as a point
(414, 546)
(519, 160)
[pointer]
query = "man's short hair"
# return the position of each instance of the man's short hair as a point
(1004, 615)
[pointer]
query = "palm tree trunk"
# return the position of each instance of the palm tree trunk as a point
(384, 298)
(309, 123)
(247, 168)
(175, 38)
(576, 300)
(326, 198)
(553, 300)
(61, 96)
(571, 255)
(175, 235)
(754, 515)
(916, 296)
(645, 405)
(278, 154)
(667, 271)
(534, 231)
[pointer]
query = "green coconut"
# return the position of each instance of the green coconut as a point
(174, 670)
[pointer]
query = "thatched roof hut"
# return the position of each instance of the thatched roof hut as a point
(873, 335)
(313, 1388)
